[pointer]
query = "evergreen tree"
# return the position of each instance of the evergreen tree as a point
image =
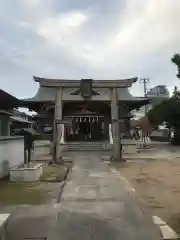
(176, 60)
(167, 111)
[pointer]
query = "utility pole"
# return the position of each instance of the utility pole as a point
(145, 81)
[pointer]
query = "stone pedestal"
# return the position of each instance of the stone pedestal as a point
(26, 173)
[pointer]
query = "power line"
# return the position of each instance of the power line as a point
(145, 81)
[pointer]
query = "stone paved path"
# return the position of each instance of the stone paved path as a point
(95, 205)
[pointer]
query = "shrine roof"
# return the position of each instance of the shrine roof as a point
(48, 87)
(7, 100)
(50, 82)
(46, 94)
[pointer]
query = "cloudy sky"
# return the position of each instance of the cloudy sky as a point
(99, 39)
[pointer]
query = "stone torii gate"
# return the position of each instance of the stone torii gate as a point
(59, 92)
(58, 118)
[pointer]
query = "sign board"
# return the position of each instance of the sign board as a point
(86, 88)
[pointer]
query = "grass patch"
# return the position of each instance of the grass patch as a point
(174, 222)
(35, 193)
(23, 193)
(54, 173)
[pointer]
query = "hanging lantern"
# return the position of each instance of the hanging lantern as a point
(80, 119)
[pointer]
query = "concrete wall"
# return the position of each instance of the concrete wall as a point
(11, 153)
(162, 135)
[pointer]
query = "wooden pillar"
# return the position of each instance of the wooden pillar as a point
(57, 127)
(115, 126)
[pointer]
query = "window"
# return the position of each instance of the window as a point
(162, 90)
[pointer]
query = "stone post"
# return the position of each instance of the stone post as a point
(62, 135)
(57, 128)
(115, 126)
(110, 134)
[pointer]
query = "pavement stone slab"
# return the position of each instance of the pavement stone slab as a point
(96, 205)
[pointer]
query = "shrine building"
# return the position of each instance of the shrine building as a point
(98, 110)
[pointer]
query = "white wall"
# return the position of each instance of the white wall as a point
(11, 153)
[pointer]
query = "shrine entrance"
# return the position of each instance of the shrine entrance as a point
(86, 125)
(86, 128)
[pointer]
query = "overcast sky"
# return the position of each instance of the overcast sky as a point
(99, 39)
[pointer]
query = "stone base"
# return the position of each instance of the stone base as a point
(3, 222)
(107, 146)
(106, 158)
(117, 159)
(67, 159)
(26, 174)
(129, 149)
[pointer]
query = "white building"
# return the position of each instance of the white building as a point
(157, 94)
(159, 91)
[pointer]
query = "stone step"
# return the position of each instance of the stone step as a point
(99, 146)
(84, 146)
(95, 148)
(87, 142)
(87, 146)
(83, 150)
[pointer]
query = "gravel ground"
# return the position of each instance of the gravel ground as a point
(157, 185)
